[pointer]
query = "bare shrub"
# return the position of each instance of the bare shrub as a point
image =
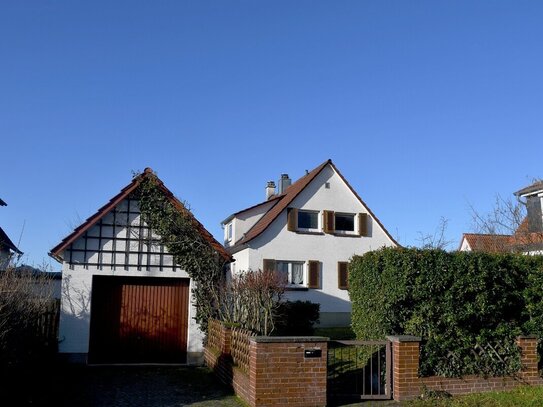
(251, 299)
(25, 297)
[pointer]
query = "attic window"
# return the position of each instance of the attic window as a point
(308, 220)
(327, 185)
(344, 222)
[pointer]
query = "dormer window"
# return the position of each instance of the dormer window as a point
(308, 220)
(344, 222)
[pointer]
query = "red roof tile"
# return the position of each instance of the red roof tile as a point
(288, 196)
(479, 242)
(56, 252)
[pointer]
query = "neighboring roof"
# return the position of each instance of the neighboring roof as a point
(56, 252)
(535, 187)
(6, 242)
(284, 199)
(480, 242)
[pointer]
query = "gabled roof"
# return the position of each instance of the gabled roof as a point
(480, 242)
(535, 187)
(272, 199)
(5, 241)
(56, 252)
(284, 200)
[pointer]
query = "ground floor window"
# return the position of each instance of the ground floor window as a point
(293, 271)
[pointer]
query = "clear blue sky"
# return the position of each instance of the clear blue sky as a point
(425, 106)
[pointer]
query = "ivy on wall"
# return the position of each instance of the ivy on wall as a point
(181, 233)
(468, 307)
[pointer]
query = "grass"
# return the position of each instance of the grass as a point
(526, 396)
(336, 333)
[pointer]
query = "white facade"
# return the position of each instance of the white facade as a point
(327, 191)
(117, 245)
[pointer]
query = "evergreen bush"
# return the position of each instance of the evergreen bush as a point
(460, 303)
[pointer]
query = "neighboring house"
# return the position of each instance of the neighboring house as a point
(308, 230)
(528, 237)
(480, 242)
(7, 247)
(124, 300)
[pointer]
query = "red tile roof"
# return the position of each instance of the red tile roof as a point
(56, 252)
(479, 242)
(284, 199)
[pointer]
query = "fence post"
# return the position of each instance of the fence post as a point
(405, 366)
(528, 358)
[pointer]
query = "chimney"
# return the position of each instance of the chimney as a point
(284, 183)
(270, 189)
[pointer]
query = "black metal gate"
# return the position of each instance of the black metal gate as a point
(359, 370)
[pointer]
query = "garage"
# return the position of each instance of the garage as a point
(138, 320)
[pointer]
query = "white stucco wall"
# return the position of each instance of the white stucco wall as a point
(276, 242)
(245, 221)
(465, 247)
(75, 314)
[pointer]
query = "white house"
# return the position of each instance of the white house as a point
(308, 230)
(124, 300)
(528, 236)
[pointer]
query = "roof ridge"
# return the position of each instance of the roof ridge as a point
(123, 194)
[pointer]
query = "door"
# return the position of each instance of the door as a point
(139, 320)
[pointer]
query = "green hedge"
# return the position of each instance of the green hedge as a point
(454, 301)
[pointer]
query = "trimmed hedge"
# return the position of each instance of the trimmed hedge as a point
(454, 301)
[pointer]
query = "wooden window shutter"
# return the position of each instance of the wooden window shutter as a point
(268, 265)
(292, 219)
(329, 221)
(363, 219)
(313, 278)
(342, 275)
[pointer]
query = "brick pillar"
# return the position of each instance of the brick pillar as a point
(226, 340)
(528, 347)
(288, 371)
(405, 366)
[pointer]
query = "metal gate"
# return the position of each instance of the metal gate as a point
(359, 370)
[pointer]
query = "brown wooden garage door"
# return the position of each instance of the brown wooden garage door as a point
(138, 320)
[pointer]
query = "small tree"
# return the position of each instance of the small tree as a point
(251, 299)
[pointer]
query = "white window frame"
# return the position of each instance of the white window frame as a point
(317, 229)
(289, 271)
(228, 231)
(346, 232)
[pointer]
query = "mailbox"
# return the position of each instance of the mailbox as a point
(312, 353)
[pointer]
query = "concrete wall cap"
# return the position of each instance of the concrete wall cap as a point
(287, 339)
(404, 338)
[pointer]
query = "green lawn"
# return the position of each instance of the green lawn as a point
(520, 397)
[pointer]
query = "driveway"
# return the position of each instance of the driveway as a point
(127, 386)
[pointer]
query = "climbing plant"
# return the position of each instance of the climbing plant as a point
(182, 234)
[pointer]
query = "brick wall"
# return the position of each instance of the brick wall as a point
(279, 372)
(407, 385)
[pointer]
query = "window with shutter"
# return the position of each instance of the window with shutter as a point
(313, 274)
(363, 220)
(342, 275)
(292, 219)
(329, 218)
